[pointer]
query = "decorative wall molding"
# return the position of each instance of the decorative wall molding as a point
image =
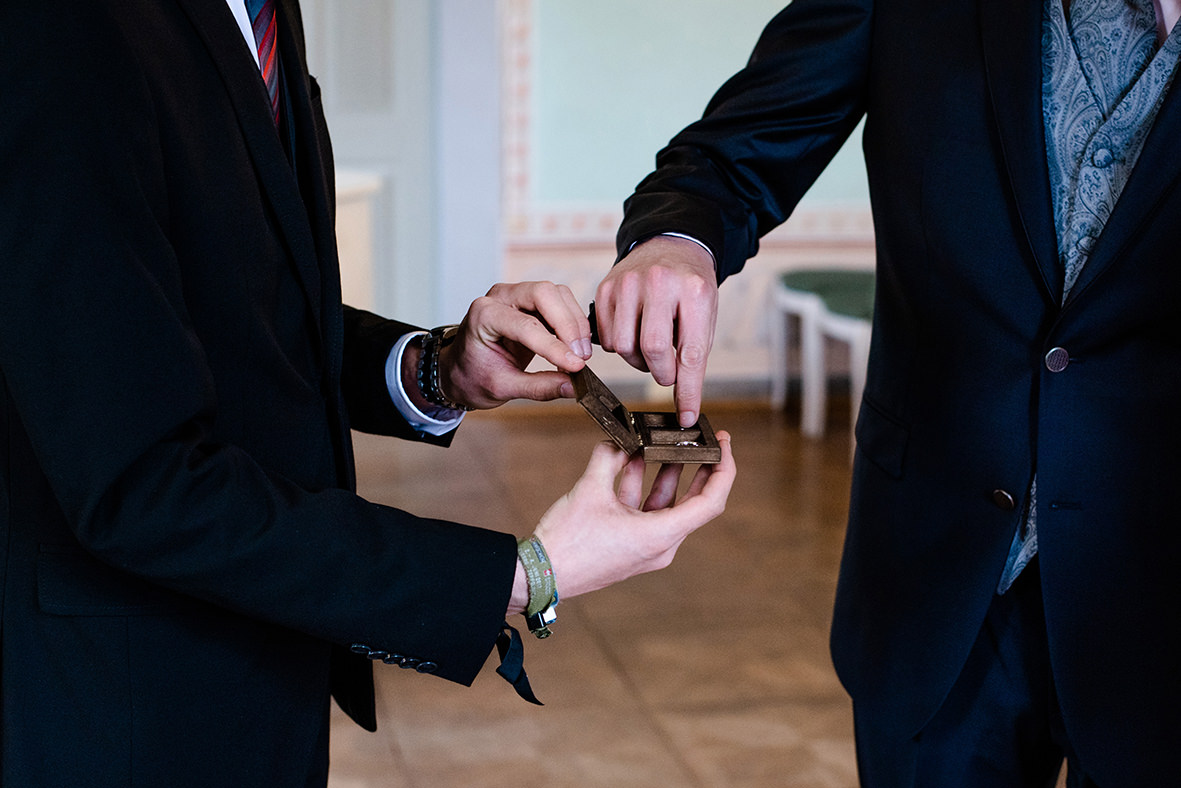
(810, 225)
(516, 94)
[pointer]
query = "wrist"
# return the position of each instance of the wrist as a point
(713, 258)
(519, 597)
(420, 373)
(699, 253)
(430, 369)
(400, 376)
(411, 359)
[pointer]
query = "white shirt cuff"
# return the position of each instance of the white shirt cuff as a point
(420, 421)
(694, 240)
(687, 238)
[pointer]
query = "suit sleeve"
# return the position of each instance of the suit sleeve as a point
(368, 340)
(114, 386)
(766, 135)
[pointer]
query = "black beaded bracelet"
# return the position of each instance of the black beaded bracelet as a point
(428, 367)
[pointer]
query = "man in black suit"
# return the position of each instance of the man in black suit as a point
(186, 572)
(1008, 590)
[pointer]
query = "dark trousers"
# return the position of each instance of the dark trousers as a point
(1000, 726)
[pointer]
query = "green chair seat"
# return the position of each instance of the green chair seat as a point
(848, 293)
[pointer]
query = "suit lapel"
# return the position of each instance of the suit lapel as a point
(1011, 36)
(1157, 170)
(222, 38)
(312, 156)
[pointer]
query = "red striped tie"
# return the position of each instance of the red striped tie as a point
(262, 18)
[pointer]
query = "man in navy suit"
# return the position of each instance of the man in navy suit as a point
(1008, 593)
(186, 575)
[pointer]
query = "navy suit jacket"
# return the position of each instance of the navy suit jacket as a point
(184, 563)
(959, 402)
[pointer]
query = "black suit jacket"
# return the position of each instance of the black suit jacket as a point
(959, 402)
(184, 563)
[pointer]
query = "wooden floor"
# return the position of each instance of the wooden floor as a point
(714, 672)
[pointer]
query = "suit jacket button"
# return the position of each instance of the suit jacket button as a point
(1057, 359)
(408, 663)
(1004, 500)
(427, 667)
(377, 654)
(359, 648)
(392, 659)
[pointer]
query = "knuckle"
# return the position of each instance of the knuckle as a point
(525, 323)
(655, 347)
(693, 356)
(494, 391)
(664, 560)
(482, 304)
(605, 288)
(697, 285)
(658, 275)
(629, 282)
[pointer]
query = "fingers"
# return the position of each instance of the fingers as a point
(664, 487)
(696, 335)
(619, 312)
(657, 308)
(620, 302)
(711, 484)
(496, 324)
(501, 334)
(597, 536)
(631, 483)
(542, 316)
(574, 332)
(657, 333)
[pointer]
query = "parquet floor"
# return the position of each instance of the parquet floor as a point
(709, 674)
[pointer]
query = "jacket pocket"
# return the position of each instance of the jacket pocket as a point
(72, 583)
(881, 439)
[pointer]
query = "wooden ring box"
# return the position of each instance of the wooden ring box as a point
(656, 435)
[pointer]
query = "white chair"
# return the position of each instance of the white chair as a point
(828, 303)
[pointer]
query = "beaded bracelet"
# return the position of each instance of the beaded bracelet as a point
(428, 367)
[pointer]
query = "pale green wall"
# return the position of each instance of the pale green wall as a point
(615, 79)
